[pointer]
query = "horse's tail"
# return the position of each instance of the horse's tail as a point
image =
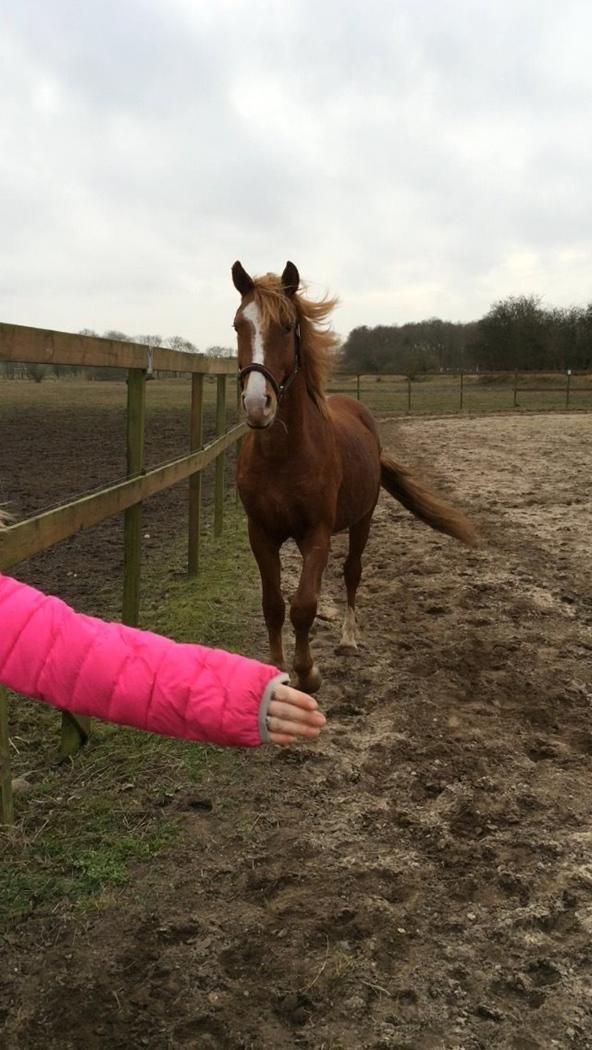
(426, 505)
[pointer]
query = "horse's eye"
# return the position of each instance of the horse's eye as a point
(288, 328)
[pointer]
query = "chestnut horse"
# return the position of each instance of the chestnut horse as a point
(312, 465)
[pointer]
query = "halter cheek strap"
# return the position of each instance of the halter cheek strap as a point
(279, 389)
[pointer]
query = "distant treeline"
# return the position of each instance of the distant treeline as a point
(517, 333)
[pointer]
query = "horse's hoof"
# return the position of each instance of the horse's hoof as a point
(310, 682)
(346, 647)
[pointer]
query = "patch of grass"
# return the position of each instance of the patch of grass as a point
(215, 608)
(60, 867)
(84, 824)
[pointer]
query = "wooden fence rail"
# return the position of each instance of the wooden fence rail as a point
(41, 347)
(29, 537)
(36, 534)
(406, 395)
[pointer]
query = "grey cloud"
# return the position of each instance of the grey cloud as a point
(408, 156)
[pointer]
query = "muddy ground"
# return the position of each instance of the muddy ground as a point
(61, 440)
(421, 878)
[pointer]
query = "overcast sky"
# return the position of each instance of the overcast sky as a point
(416, 158)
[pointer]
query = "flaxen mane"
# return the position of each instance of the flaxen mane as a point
(317, 338)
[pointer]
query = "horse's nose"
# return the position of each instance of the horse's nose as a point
(258, 409)
(267, 401)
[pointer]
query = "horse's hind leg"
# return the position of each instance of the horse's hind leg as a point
(267, 556)
(352, 573)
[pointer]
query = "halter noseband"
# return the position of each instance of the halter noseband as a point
(279, 389)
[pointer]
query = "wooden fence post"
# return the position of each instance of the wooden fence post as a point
(195, 442)
(6, 800)
(358, 393)
(408, 395)
(567, 388)
(136, 411)
(462, 378)
(219, 482)
(75, 733)
(515, 389)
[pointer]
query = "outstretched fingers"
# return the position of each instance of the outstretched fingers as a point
(293, 715)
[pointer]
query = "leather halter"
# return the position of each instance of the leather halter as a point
(279, 389)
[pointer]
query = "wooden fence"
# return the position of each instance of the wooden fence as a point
(29, 537)
(36, 346)
(450, 392)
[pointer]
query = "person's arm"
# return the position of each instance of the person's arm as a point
(140, 679)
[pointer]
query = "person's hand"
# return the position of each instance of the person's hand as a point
(293, 715)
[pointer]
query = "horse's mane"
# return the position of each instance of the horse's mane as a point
(317, 338)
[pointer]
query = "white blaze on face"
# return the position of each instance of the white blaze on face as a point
(255, 388)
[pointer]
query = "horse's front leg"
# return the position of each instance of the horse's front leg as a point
(267, 556)
(315, 552)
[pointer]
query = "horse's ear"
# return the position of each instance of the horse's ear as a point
(242, 282)
(290, 279)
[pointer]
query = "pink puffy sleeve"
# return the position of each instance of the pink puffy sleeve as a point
(120, 674)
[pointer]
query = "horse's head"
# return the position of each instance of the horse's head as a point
(266, 324)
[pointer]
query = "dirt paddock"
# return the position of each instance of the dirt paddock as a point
(422, 878)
